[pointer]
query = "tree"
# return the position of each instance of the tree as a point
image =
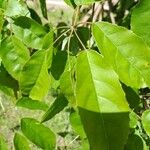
(98, 66)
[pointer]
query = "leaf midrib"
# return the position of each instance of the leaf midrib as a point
(101, 116)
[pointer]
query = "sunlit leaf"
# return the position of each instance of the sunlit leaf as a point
(14, 55)
(31, 104)
(125, 51)
(16, 8)
(20, 142)
(67, 81)
(102, 105)
(34, 79)
(29, 31)
(39, 134)
(146, 121)
(139, 20)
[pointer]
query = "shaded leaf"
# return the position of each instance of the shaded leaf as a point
(39, 134)
(14, 55)
(131, 96)
(34, 15)
(20, 142)
(29, 31)
(27, 102)
(101, 102)
(8, 85)
(135, 142)
(58, 64)
(125, 51)
(146, 121)
(34, 79)
(139, 20)
(59, 104)
(43, 8)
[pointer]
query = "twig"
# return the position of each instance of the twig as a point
(79, 40)
(73, 140)
(111, 15)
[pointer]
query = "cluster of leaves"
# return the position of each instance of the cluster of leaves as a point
(95, 68)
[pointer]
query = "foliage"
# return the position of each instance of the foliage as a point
(97, 67)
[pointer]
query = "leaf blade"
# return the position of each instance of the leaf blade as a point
(98, 103)
(125, 52)
(37, 133)
(139, 23)
(20, 142)
(34, 79)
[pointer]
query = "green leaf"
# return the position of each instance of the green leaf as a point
(34, 79)
(146, 121)
(39, 134)
(139, 20)
(8, 85)
(48, 40)
(2, 3)
(1, 20)
(59, 62)
(16, 8)
(27, 102)
(59, 104)
(43, 8)
(133, 119)
(29, 31)
(3, 145)
(20, 142)
(70, 3)
(76, 124)
(102, 105)
(125, 51)
(67, 81)
(34, 15)
(135, 142)
(14, 55)
(131, 96)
